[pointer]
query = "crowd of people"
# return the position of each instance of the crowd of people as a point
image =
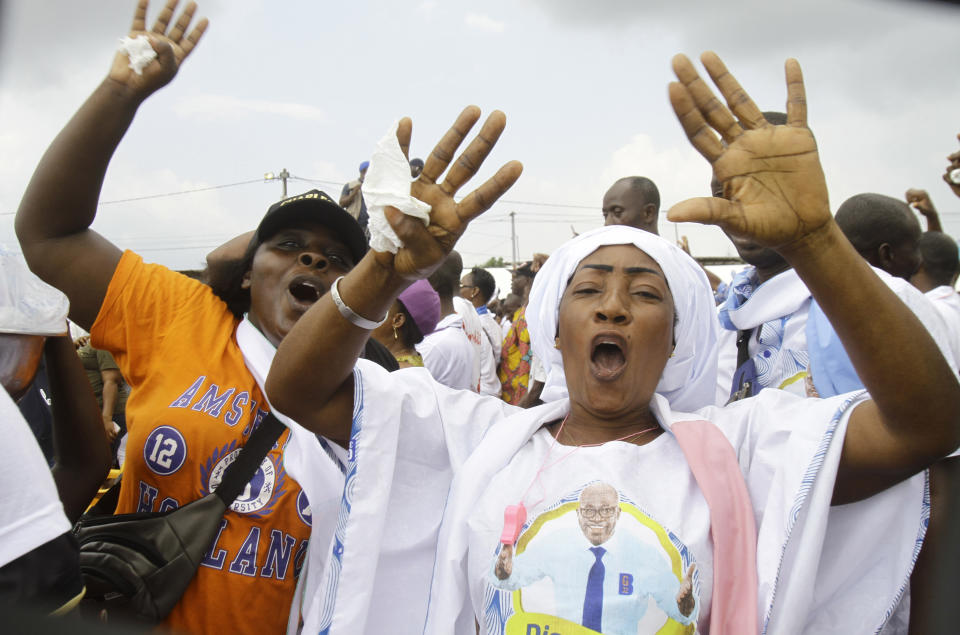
(622, 442)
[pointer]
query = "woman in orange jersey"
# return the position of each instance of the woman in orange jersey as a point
(194, 402)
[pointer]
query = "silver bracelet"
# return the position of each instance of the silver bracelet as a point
(347, 312)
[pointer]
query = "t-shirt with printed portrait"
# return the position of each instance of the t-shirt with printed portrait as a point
(192, 407)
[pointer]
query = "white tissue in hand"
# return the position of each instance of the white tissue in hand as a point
(388, 183)
(139, 51)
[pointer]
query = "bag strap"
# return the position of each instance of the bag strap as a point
(239, 473)
(741, 388)
(235, 477)
(743, 346)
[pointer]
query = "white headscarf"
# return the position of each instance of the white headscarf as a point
(690, 377)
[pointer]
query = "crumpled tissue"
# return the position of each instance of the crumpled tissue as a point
(139, 51)
(388, 183)
(28, 305)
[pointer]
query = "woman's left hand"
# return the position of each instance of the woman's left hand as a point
(773, 184)
(426, 247)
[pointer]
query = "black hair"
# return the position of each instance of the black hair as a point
(645, 187)
(526, 270)
(869, 220)
(483, 280)
(447, 276)
(226, 281)
(941, 260)
(409, 332)
(775, 117)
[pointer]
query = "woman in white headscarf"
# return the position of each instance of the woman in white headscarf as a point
(623, 504)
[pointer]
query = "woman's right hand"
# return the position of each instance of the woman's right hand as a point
(171, 47)
(425, 247)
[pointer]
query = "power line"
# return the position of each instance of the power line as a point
(193, 191)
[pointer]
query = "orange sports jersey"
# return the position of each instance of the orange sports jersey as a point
(192, 407)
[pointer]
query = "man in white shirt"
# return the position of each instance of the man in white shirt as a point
(937, 276)
(477, 287)
(447, 352)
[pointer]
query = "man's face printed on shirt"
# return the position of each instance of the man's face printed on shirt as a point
(598, 512)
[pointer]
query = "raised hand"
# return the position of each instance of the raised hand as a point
(920, 201)
(171, 47)
(954, 160)
(773, 185)
(426, 247)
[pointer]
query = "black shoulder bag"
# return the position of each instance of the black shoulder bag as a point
(137, 566)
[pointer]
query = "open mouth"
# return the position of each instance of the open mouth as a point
(607, 357)
(305, 291)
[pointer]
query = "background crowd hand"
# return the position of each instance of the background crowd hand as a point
(171, 47)
(110, 428)
(954, 160)
(920, 201)
(426, 247)
(773, 184)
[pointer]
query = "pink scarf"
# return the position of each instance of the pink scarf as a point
(714, 464)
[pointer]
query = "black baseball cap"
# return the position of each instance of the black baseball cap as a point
(317, 207)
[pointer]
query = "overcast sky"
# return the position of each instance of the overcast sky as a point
(311, 86)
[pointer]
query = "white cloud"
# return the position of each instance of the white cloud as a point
(484, 23)
(220, 106)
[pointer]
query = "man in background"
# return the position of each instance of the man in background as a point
(351, 197)
(447, 352)
(633, 201)
(477, 287)
(109, 388)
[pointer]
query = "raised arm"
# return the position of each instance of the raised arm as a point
(920, 201)
(324, 338)
(54, 218)
(778, 197)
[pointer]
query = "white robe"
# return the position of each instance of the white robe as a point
(821, 569)
(376, 508)
(946, 301)
(780, 307)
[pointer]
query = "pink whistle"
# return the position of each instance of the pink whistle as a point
(513, 518)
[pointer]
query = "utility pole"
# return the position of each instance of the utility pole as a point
(283, 176)
(513, 239)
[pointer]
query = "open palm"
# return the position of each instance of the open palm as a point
(171, 47)
(773, 184)
(425, 247)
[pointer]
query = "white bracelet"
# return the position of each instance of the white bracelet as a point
(347, 312)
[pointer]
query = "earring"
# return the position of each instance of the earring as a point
(395, 336)
(556, 342)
